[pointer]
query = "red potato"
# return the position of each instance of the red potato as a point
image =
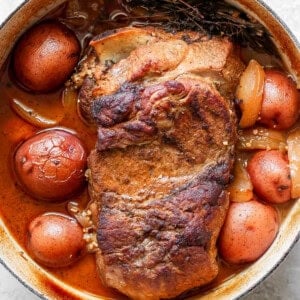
(50, 165)
(249, 230)
(45, 56)
(280, 105)
(270, 175)
(55, 240)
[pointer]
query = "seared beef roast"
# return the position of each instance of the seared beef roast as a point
(166, 135)
(148, 56)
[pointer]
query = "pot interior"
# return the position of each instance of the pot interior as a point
(43, 282)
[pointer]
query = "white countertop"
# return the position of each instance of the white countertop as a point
(284, 283)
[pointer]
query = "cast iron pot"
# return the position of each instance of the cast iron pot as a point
(44, 284)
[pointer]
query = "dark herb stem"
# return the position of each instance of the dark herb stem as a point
(210, 17)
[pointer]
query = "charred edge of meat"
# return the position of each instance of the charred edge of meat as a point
(132, 110)
(116, 108)
(133, 133)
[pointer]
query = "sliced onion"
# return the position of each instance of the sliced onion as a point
(241, 189)
(293, 144)
(69, 101)
(117, 14)
(31, 116)
(250, 93)
(261, 139)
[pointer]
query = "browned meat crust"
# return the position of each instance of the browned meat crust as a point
(164, 154)
(145, 113)
(154, 56)
(162, 247)
(160, 192)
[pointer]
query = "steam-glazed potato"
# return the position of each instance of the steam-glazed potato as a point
(55, 240)
(50, 165)
(280, 106)
(270, 175)
(249, 230)
(45, 56)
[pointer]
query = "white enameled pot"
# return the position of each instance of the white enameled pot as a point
(44, 284)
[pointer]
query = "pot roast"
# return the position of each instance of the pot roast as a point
(162, 103)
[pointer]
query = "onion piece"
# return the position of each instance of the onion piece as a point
(261, 139)
(241, 189)
(31, 116)
(293, 144)
(69, 101)
(250, 93)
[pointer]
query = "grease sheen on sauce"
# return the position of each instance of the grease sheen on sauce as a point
(17, 208)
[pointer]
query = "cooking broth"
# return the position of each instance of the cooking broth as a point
(87, 19)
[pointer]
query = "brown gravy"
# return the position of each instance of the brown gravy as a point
(16, 207)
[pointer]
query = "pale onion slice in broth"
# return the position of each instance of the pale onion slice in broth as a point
(31, 116)
(241, 189)
(293, 145)
(261, 138)
(69, 102)
(250, 93)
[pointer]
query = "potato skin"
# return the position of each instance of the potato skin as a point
(249, 230)
(50, 165)
(45, 56)
(55, 240)
(270, 175)
(280, 106)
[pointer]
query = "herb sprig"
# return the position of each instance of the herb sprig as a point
(210, 17)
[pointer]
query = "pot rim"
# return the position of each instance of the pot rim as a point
(281, 22)
(296, 41)
(3, 23)
(262, 2)
(23, 282)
